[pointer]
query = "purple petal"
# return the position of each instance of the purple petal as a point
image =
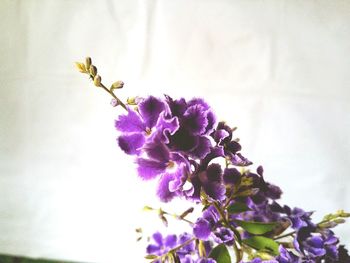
(202, 229)
(231, 176)
(219, 135)
(131, 143)
(202, 149)
(166, 127)
(157, 151)
(149, 169)
(150, 110)
(239, 160)
(215, 190)
(158, 238)
(163, 192)
(179, 177)
(182, 140)
(195, 120)
(198, 101)
(214, 173)
(211, 122)
(177, 107)
(233, 147)
(215, 152)
(130, 122)
(170, 241)
(153, 249)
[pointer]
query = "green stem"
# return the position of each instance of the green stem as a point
(236, 233)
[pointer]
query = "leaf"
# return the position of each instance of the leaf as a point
(220, 254)
(256, 228)
(262, 243)
(238, 207)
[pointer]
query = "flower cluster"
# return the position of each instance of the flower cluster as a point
(193, 156)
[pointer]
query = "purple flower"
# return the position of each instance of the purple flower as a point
(139, 127)
(210, 180)
(196, 122)
(206, 260)
(172, 168)
(224, 235)
(222, 135)
(204, 225)
(162, 245)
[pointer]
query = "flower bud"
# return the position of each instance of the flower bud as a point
(93, 70)
(114, 102)
(80, 66)
(97, 81)
(88, 62)
(117, 85)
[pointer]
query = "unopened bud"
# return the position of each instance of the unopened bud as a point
(117, 85)
(114, 102)
(93, 70)
(339, 220)
(147, 208)
(88, 62)
(133, 100)
(97, 81)
(188, 211)
(80, 66)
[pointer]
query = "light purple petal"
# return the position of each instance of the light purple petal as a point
(130, 122)
(153, 249)
(163, 192)
(150, 109)
(195, 120)
(170, 241)
(158, 238)
(131, 143)
(202, 229)
(166, 127)
(149, 169)
(179, 177)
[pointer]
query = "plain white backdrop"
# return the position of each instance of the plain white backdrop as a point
(279, 70)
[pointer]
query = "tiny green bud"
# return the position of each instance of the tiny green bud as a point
(151, 256)
(80, 66)
(117, 85)
(147, 208)
(88, 62)
(93, 70)
(97, 81)
(339, 220)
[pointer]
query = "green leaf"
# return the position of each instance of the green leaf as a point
(238, 207)
(262, 243)
(256, 228)
(220, 254)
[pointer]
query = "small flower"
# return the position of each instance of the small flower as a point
(162, 244)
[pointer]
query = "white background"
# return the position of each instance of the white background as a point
(279, 70)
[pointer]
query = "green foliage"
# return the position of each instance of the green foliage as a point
(261, 243)
(220, 254)
(256, 228)
(238, 207)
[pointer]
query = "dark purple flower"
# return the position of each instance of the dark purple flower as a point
(138, 127)
(210, 180)
(162, 245)
(196, 122)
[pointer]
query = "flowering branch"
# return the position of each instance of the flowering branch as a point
(179, 142)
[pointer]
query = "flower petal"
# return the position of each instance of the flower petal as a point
(131, 143)
(149, 169)
(170, 241)
(165, 128)
(195, 120)
(130, 122)
(150, 109)
(202, 149)
(202, 229)
(157, 151)
(163, 192)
